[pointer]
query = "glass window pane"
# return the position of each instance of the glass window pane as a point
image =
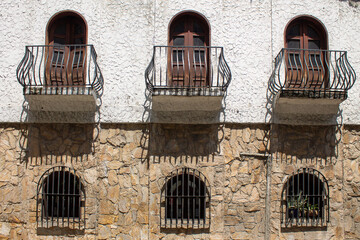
(314, 44)
(79, 40)
(199, 41)
(293, 44)
(178, 55)
(199, 56)
(78, 56)
(294, 60)
(315, 60)
(57, 57)
(178, 41)
(312, 33)
(59, 41)
(294, 31)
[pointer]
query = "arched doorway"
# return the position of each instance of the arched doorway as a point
(66, 51)
(306, 56)
(189, 41)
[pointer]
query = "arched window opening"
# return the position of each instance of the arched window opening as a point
(189, 50)
(185, 200)
(306, 55)
(305, 200)
(66, 51)
(61, 199)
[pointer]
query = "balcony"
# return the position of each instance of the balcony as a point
(309, 85)
(187, 83)
(60, 78)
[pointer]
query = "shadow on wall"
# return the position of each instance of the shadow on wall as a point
(311, 144)
(58, 136)
(46, 144)
(178, 142)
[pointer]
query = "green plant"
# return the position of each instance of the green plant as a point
(312, 210)
(297, 202)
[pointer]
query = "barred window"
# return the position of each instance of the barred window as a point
(60, 199)
(185, 200)
(305, 200)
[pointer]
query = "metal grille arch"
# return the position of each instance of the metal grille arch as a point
(60, 199)
(305, 200)
(185, 200)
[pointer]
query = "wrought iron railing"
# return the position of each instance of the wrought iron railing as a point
(185, 200)
(59, 67)
(312, 73)
(178, 69)
(305, 200)
(60, 199)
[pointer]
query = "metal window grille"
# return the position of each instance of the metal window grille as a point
(60, 199)
(305, 200)
(185, 200)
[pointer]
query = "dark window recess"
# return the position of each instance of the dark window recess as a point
(185, 200)
(305, 200)
(60, 198)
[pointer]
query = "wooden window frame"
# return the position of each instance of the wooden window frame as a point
(69, 70)
(190, 68)
(302, 72)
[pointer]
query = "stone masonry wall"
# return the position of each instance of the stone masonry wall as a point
(124, 166)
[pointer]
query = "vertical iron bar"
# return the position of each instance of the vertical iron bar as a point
(58, 195)
(74, 200)
(52, 199)
(182, 196)
(194, 199)
(177, 196)
(200, 200)
(47, 200)
(79, 197)
(68, 197)
(160, 76)
(315, 199)
(166, 203)
(187, 199)
(319, 198)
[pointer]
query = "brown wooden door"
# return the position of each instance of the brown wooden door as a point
(189, 55)
(65, 65)
(305, 61)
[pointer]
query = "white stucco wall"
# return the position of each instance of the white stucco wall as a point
(124, 32)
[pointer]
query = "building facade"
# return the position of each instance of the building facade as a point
(179, 119)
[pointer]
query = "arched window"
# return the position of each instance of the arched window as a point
(185, 200)
(65, 62)
(189, 39)
(307, 61)
(60, 199)
(305, 199)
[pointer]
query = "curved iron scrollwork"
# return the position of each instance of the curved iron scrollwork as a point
(60, 67)
(312, 73)
(196, 69)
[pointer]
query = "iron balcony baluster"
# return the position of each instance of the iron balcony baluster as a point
(175, 69)
(315, 73)
(59, 66)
